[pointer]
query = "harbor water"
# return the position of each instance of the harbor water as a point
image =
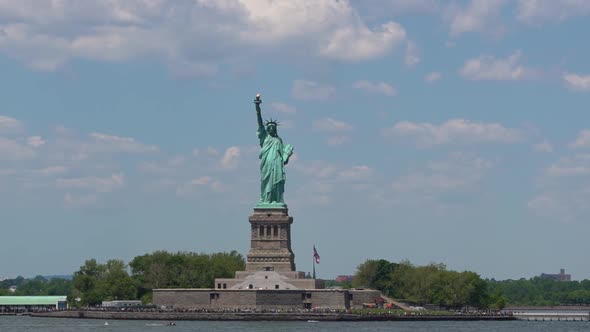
(30, 324)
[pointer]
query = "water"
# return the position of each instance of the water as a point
(28, 324)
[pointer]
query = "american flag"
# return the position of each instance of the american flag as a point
(316, 256)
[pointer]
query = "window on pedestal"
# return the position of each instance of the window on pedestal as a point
(261, 231)
(268, 231)
(275, 231)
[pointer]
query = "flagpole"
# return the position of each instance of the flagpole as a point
(313, 258)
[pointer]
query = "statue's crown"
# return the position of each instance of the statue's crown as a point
(272, 122)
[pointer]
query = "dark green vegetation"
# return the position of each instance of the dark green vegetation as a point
(36, 286)
(114, 280)
(430, 284)
(418, 285)
(162, 269)
(434, 284)
(539, 291)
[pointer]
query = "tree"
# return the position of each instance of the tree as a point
(424, 284)
(96, 282)
(162, 269)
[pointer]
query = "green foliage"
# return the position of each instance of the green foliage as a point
(541, 291)
(430, 284)
(162, 269)
(36, 286)
(95, 282)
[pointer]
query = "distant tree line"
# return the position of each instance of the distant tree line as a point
(430, 284)
(115, 280)
(434, 284)
(542, 291)
(38, 285)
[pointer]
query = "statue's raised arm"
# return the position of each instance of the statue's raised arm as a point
(261, 132)
(273, 156)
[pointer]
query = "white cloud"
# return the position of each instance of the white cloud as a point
(13, 150)
(68, 145)
(46, 34)
(110, 143)
(167, 167)
(331, 125)
(8, 124)
(487, 67)
(576, 165)
(316, 169)
(356, 173)
(433, 77)
(335, 128)
(51, 170)
(543, 146)
(457, 174)
(393, 8)
(577, 82)
(230, 157)
(209, 151)
(454, 131)
(309, 90)
(79, 200)
(197, 185)
(35, 141)
(98, 184)
(582, 141)
(283, 108)
(412, 55)
(558, 206)
(478, 16)
(563, 192)
(532, 11)
(352, 43)
(375, 87)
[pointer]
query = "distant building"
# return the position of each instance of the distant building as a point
(344, 278)
(562, 276)
(17, 304)
(121, 304)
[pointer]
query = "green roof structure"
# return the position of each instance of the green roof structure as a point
(31, 300)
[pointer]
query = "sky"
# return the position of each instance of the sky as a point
(455, 132)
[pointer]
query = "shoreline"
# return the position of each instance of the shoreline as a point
(219, 316)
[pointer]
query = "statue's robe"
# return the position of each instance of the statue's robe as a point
(273, 156)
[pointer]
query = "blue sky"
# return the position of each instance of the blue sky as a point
(434, 131)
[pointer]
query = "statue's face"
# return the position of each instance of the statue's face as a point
(271, 130)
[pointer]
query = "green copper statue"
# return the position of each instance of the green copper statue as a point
(273, 156)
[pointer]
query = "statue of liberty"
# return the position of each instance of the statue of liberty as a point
(273, 156)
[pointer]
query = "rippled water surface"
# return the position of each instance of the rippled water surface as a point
(25, 323)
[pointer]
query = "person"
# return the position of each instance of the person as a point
(274, 155)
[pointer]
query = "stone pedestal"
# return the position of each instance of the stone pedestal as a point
(270, 263)
(270, 241)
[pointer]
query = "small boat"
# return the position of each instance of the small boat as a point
(106, 323)
(313, 321)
